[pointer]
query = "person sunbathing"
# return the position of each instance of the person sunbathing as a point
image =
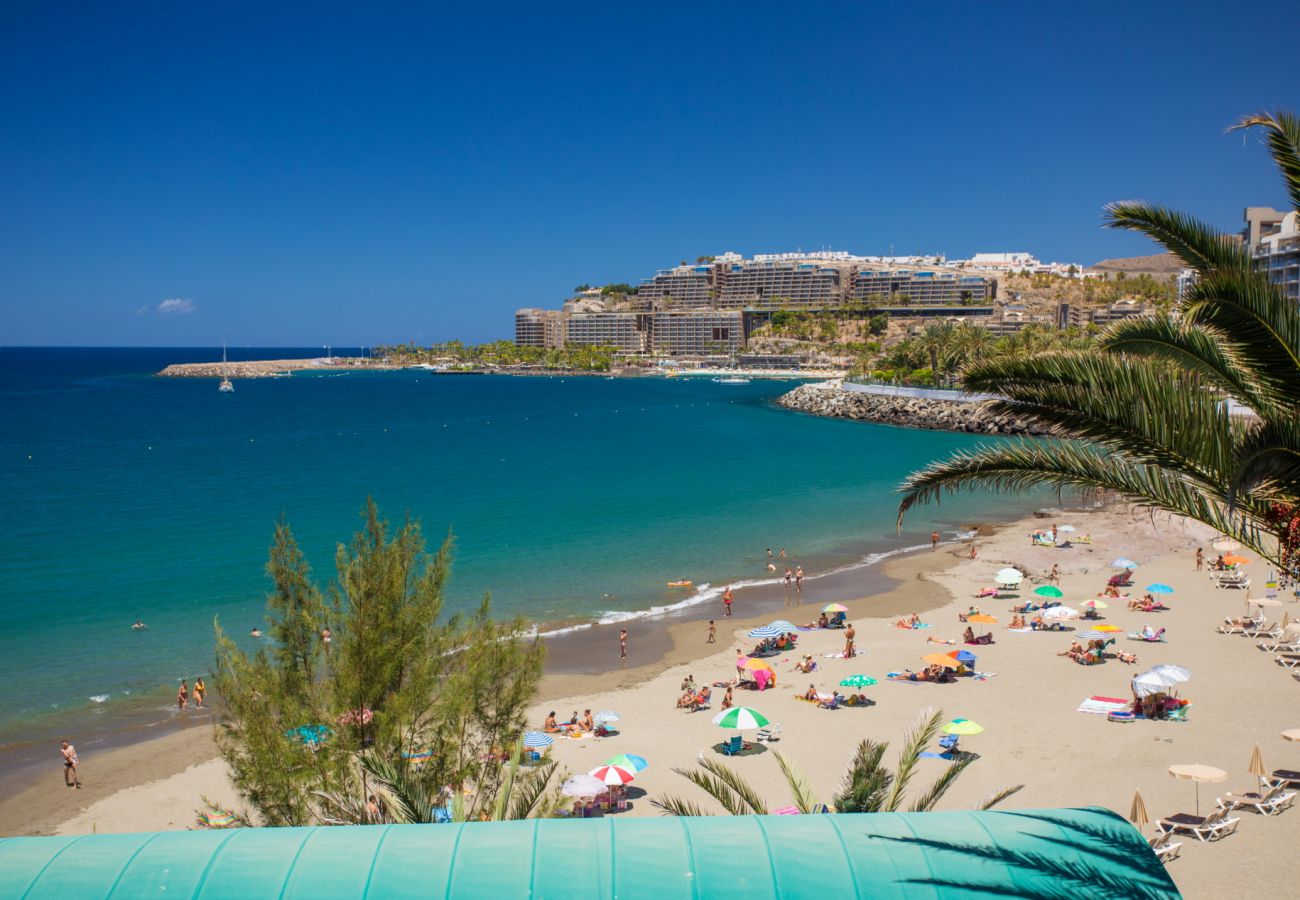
(550, 727)
(684, 701)
(727, 702)
(1017, 621)
(1037, 622)
(811, 693)
(823, 622)
(1111, 591)
(1074, 652)
(1130, 658)
(831, 702)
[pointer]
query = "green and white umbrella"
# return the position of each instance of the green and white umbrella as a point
(740, 718)
(858, 681)
(1048, 590)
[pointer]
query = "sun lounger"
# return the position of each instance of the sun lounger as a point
(949, 742)
(1237, 580)
(1213, 827)
(1164, 847)
(771, 733)
(1269, 803)
(1157, 638)
(1285, 777)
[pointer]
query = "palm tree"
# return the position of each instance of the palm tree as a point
(867, 785)
(1145, 415)
(937, 341)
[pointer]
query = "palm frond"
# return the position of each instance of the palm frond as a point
(800, 788)
(1283, 143)
(866, 782)
(914, 743)
(742, 789)
(1268, 461)
(1191, 240)
(531, 795)
(998, 796)
(934, 794)
(674, 806)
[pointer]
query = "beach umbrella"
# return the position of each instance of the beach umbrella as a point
(1010, 573)
(1173, 674)
(940, 659)
(612, 774)
(629, 761)
(962, 726)
(1159, 588)
(582, 786)
(362, 716)
(1137, 814)
(858, 681)
(1048, 590)
(422, 755)
(1265, 601)
(219, 817)
(765, 631)
(1233, 559)
(1096, 604)
(1198, 774)
(605, 716)
(1226, 544)
(1256, 766)
(965, 657)
(834, 608)
(536, 739)
(1060, 612)
(740, 718)
(1107, 628)
(983, 619)
(1291, 734)
(311, 735)
(1124, 563)
(1093, 634)
(786, 627)
(1066, 528)
(1148, 683)
(756, 665)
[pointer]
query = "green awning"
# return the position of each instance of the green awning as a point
(1028, 853)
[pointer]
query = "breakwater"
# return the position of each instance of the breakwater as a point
(268, 368)
(831, 399)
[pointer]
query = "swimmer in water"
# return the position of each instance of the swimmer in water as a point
(139, 626)
(256, 632)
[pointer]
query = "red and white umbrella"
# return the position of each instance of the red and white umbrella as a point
(612, 774)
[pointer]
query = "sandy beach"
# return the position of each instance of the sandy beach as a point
(1027, 704)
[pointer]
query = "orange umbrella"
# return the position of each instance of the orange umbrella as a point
(756, 665)
(1107, 628)
(981, 617)
(938, 659)
(1233, 559)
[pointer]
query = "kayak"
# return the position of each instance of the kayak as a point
(679, 584)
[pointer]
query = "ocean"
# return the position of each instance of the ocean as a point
(572, 499)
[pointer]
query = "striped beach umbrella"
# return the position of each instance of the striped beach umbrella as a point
(834, 608)
(858, 681)
(740, 718)
(765, 631)
(536, 739)
(612, 774)
(786, 627)
(605, 716)
(1096, 604)
(1093, 634)
(629, 761)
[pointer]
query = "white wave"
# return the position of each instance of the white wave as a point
(98, 698)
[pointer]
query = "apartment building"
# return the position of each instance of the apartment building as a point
(1184, 281)
(895, 287)
(696, 332)
(682, 286)
(541, 328)
(1276, 252)
(624, 331)
(782, 282)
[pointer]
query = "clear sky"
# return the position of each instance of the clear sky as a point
(275, 174)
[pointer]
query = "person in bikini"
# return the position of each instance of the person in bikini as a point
(70, 763)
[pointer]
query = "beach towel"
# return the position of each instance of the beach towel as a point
(984, 676)
(838, 654)
(1025, 630)
(935, 640)
(947, 756)
(1102, 705)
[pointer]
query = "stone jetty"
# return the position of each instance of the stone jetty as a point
(830, 398)
(269, 368)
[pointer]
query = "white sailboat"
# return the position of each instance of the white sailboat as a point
(226, 387)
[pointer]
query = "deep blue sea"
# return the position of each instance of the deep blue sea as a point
(128, 496)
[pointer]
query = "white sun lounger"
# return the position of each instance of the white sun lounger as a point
(1213, 827)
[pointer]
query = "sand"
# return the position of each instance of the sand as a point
(1033, 736)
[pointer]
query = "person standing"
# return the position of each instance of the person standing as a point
(325, 636)
(798, 578)
(183, 695)
(783, 553)
(70, 762)
(713, 633)
(726, 601)
(849, 635)
(934, 540)
(769, 552)
(1054, 576)
(789, 575)
(200, 691)
(1200, 559)
(622, 643)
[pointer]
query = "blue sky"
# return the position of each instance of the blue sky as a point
(311, 174)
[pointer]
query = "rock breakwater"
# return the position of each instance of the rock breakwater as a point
(831, 399)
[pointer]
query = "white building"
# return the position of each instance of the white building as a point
(1277, 253)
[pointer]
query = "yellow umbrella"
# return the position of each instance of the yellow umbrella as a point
(1256, 766)
(1138, 813)
(938, 659)
(1232, 559)
(985, 619)
(755, 665)
(1111, 628)
(1197, 773)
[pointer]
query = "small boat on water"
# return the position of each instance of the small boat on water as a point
(732, 379)
(679, 583)
(226, 386)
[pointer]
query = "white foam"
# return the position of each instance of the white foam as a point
(98, 698)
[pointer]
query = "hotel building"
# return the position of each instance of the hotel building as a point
(1273, 239)
(696, 332)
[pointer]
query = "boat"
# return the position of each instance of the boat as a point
(732, 379)
(679, 583)
(226, 386)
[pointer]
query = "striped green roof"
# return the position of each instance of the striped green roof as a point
(1077, 853)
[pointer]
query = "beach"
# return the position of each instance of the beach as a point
(1027, 704)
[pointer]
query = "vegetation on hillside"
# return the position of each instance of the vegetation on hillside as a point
(399, 700)
(456, 354)
(1146, 413)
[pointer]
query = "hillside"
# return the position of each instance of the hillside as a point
(1158, 265)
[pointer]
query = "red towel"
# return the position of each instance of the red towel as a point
(1111, 699)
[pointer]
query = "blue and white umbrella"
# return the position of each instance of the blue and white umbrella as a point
(537, 739)
(766, 631)
(786, 627)
(606, 716)
(1124, 563)
(1158, 588)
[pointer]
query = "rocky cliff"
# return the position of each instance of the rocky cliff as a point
(829, 399)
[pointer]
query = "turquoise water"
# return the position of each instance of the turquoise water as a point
(128, 496)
